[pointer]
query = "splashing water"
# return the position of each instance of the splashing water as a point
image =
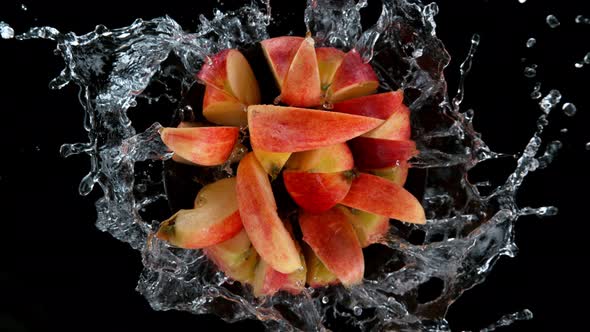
(122, 71)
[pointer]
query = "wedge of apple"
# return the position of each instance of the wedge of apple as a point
(329, 159)
(258, 210)
(369, 227)
(397, 174)
(373, 153)
(207, 146)
(353, 78)
(272, 162)
(236, 257)
(302, 87)
(267, 281)
(373, 194)
(329, 59)
(333, 239)
(214, 219)
(396, 127)
(380, 105)
(290, 129)
(318, 274)
(221, 108)
(279, 53)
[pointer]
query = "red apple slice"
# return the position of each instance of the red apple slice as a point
(186, 124)
(318, 274)
(235, 257)
(329, 59)
(329, 159)
(380, 106)
(396, 127)
(301, 86)
(267, 281)
(258, 210)
(370, 228)
(353, 78)
(207, 146)
(396, 174)
(290, 129)
(334, 241)
(371, 153)
(373, 194)
(316, 192)
(222, 108)
(279, 53)
(229, 71)
(213, 220)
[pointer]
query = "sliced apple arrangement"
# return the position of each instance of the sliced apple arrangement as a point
(339, 148)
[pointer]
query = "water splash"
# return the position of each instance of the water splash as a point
(120, 72)
(6, 32)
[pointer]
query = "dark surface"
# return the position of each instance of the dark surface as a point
(59, 272)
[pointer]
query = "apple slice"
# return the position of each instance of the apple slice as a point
(279, 53)
(186, 124)
(317, 192)
(370, 228)
(318, 274)
(396, 127)
(258, 211)
(272, 162)
(329, 59)
(396, 174)
(207, 146)
(302, 87)
(329, 159)
(380, 106)
(371, 153)
(289, 129)
(373, 194)
(235, 257)
(268, 281)
(222, 108)
(353, 78)
(333, 239)
(229, 71)
(214, 219)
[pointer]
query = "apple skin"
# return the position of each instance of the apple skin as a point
(302, 87)
(318, 274)
(316, 192)
(397, 174)
(373, 194)
(267, 281)
(372, 153)
(380, 105)
(279, 53)
(290, 129)
(229, 71)
(235, 257)
(333, 239)
(329, 59)
(214, 219)
(207, 146)
(222, 108)
(353, 78)
(370, 228)
(396, 127)
(329, 159)
(258, 210)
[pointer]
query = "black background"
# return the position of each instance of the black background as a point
(57, 271)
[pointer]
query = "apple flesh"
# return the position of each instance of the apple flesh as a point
(329, 59)
(207, 146)
(229, 71)
(373, 194)
(380, 105)
(397, 174)
(235, 257)
(333, 239)
(272, 162)
(372, 153)
(316, 192)
(302, 87)
(396, 127)
(370, 228)
(279, 53)
(290, 129)
(258, 210)
(222, 108)
(214, 219)
(353, 78)
(318, 274)
(329, 159)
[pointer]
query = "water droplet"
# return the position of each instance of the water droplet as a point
(552, 21)
(417, 53)
(325, 300)
(588, 146)
(530, 72)
(579, 65)
(522, 1)
(531, 42)
(357, 311)
(563, 130)
(580, 19)
(587, 58)
(6, 32)
(550, 100)
(569, 109)
(24, 7)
